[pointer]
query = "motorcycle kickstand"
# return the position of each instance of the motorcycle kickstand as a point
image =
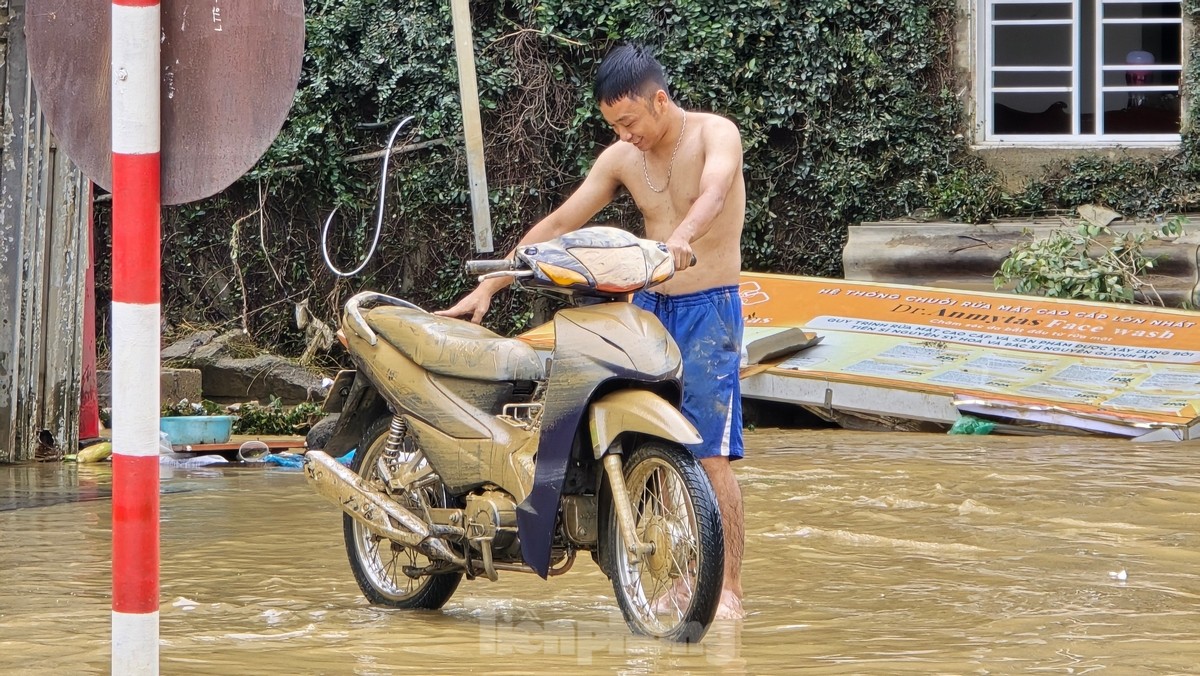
(620, 496)
(485, 551)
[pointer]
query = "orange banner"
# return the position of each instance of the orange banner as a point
(1112, 360)
(1102, 330)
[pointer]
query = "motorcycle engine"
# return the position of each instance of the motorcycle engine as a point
(491, 515)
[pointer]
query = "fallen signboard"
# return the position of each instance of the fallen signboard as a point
(1031, 363)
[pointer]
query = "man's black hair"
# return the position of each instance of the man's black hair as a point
(629, 70)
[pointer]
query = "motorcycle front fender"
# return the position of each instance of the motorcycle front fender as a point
(639, 411)
(610, 345)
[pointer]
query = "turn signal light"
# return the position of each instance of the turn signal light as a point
(560, 275)
(663, 272)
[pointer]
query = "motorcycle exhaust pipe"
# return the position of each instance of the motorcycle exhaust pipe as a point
(376, 511)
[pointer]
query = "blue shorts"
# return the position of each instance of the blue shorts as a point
(707, 326)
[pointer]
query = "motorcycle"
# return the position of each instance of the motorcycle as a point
(475, 454)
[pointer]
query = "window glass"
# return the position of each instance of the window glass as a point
(1084, 71)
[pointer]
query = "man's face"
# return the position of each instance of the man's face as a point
(637, 120)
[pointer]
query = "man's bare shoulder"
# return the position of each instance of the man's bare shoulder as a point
(718, 129)
(616, 153)
(614, 164)
(718, 121)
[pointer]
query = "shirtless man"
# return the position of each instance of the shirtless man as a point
(684, 172)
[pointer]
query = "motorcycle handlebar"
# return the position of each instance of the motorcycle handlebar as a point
(485, 267)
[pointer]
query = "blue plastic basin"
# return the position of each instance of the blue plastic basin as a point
(189, 430)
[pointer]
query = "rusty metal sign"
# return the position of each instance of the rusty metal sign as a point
(229, 72)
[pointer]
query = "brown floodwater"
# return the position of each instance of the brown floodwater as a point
(866, 553)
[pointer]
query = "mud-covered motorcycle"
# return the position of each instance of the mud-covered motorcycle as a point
(477, 454)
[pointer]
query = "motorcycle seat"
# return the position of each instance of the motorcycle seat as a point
(453, 347)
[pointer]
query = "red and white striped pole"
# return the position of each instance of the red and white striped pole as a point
(136, 32)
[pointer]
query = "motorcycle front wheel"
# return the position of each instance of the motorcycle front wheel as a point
(672, 592)
(378, 563)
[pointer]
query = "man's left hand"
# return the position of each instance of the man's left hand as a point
(681, 251)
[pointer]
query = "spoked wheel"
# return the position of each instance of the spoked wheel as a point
(671, 592)
(378, 563)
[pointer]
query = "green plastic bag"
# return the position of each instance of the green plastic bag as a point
(971, 425)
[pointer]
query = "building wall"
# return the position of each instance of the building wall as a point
(1018, 164)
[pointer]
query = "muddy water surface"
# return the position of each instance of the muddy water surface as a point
(866, 553)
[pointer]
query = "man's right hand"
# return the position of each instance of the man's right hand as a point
(474, 304)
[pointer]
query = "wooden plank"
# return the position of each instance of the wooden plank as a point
(472, 125)
(274, 444)
(42, 229)
(63, 245)
(12, 167)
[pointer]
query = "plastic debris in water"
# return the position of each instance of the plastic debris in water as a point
(1118, 574)
(95, 452)
(289, 460)
(969, 424)
(253, 451)
(175, 460)
(294, 461)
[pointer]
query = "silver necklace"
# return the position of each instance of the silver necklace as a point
(670, 165)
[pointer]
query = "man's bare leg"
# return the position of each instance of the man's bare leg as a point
(729, 499)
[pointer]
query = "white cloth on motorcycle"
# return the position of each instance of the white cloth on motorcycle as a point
(453, 347)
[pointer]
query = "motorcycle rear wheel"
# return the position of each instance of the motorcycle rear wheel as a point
(673, 592)
(378, 563)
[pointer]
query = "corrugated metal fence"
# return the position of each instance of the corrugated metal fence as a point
(43, 259)
(960, 256)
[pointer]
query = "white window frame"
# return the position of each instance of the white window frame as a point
(985, 71)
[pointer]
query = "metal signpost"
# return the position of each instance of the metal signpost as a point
(135, 320)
